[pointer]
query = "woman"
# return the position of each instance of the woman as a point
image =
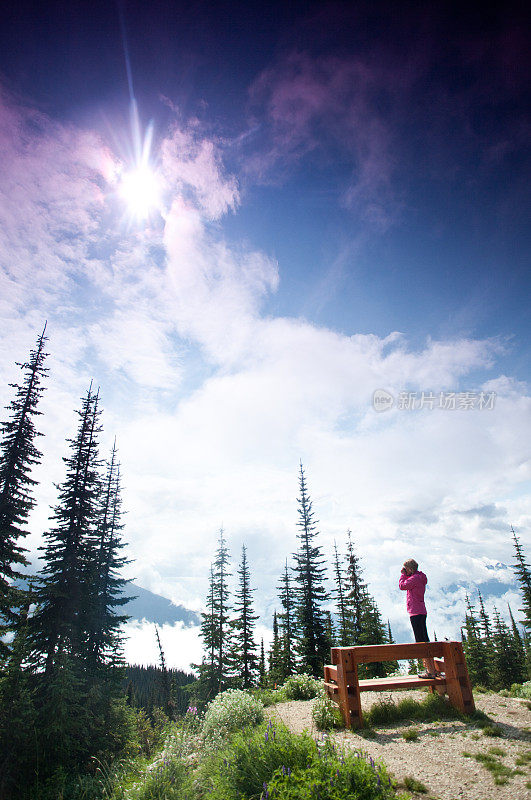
(413, 581)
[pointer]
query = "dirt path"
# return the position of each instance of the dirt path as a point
(436, 757)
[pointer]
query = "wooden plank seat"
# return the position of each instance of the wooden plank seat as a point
(343, 686)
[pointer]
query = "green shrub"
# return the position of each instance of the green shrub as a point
(330, 778)
(521, 690)
(250, 761)
(268, 697)
(271, 762)
(326, 714)
(229, 712)
(164, 781)
(410, 735)
(302, 687)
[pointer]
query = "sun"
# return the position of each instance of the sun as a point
(140, 189)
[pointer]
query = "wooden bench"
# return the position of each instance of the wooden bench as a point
(342, 684)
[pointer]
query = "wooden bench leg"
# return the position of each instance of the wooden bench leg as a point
(348, 688)
(457, 679)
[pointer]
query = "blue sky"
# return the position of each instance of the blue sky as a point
(341, 205)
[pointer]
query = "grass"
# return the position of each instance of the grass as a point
(433, 708)
(491, 761)
(524, 758)
(413, 785)
(410, 735)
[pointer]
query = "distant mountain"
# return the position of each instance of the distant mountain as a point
(152, 607)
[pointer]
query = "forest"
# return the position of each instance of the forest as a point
(69, 703)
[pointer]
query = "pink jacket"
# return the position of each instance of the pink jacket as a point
(415, 585)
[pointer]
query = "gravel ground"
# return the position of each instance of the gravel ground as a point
(436, 757)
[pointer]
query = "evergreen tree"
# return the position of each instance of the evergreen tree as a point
(66, 594)
(310, 593)
(478, 653)
(18, 455)
(262, 665)
(484, 621)
(344, 614)
(209, 634)
(214, 671)
(518, 645)
(357, 594)
(523, 576)
(275, 655)
(105, 638)
(506, 666)
(373, 631)
(18, 756)
(169, 705)
(243, 654)
(287, 624)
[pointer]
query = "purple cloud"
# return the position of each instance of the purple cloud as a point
(317, 105)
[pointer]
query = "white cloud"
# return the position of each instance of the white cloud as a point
(181, 646)
(214, 403)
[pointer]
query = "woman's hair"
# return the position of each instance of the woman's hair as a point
(411, 564)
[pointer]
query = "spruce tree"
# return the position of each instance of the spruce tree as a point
(18, 756)
(344, 614)
(310, 593)
(506, 666)
(18, 456)
(209, 635)
(484, 621)
(275, 655)
(262, 665)
(169, 705)
(104, 621)
(66, 594)
(518, 645)
(523, 576)
(243, 654)
(214, 671)
(356, 595)
(287, 624)
(478, 652)
(373, 631)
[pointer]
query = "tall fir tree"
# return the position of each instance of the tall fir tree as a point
(66, 594)
(262, 677)
(214, 670)
(523, 576)
(519, 644)
(275, 674)
(484, 622)
(506, 665)
(373, 631)
(310, 593)
(209, 635)
(169, 705)
(344, 614)
(104, 621)
(477, 651)
(243, 652)
(287, 624)
(357, 594)
(18, 456)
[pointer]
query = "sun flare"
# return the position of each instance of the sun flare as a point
(140, 188)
